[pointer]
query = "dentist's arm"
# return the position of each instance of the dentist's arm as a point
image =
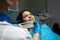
(36, 36)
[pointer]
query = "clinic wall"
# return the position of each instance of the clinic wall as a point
(37, 6)
(54, 9)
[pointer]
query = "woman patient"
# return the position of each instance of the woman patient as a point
(38, 32)
(27, 19)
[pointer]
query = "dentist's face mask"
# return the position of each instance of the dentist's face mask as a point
(13, 10)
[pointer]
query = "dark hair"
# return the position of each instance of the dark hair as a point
(3, 3)
(56, 28)
(20, 16)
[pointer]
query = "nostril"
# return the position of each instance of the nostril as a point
(30, 17)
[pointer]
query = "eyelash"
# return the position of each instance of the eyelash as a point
(27, 15)
(31, 14)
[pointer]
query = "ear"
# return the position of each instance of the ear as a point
(9, 2)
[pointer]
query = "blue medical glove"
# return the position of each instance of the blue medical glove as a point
(32, 32)
(37, 27)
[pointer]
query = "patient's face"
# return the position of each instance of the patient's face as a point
(27, 16)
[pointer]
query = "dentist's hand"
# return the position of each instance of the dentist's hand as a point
(37, 27)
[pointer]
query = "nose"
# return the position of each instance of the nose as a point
(30, 16)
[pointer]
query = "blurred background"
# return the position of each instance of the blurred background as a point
(41, 7)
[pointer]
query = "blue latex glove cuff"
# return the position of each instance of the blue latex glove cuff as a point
(37, 27)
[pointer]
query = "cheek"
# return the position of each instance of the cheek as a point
(33, 17)
(26, 19)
